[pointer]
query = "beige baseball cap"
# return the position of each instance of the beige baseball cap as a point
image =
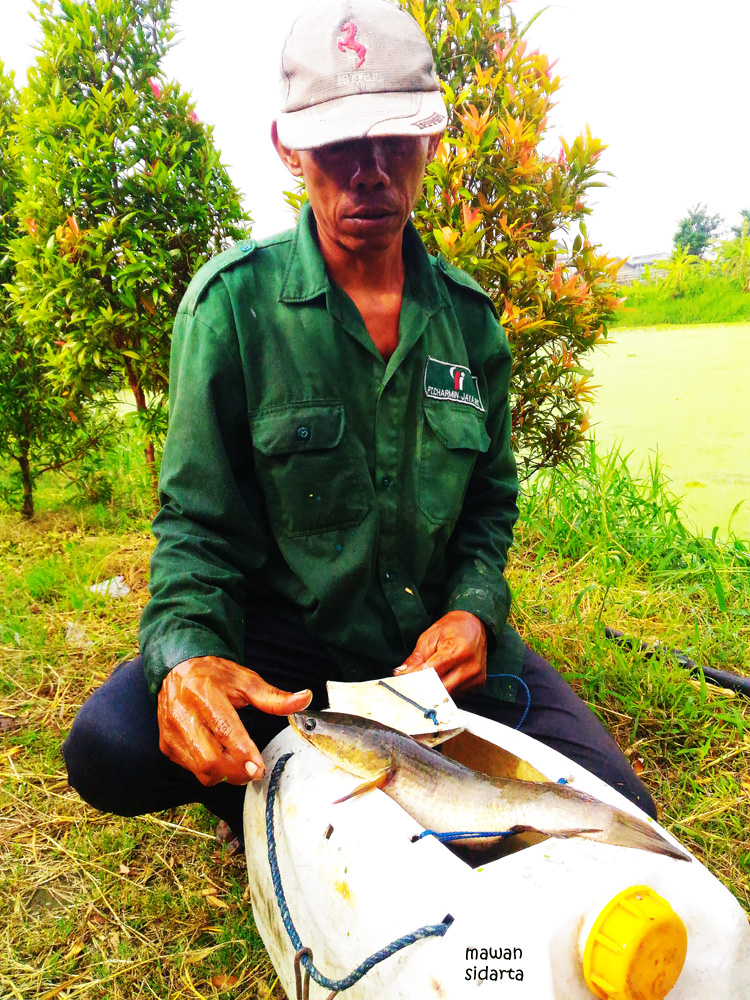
(356, 68)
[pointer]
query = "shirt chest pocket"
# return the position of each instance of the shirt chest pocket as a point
(450, 441)
(307, 468)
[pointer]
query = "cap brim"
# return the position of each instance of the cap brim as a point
(361, 115)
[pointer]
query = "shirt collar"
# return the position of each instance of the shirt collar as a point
(306, 278)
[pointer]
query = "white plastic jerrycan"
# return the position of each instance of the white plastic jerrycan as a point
(554, 920)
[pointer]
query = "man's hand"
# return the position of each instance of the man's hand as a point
(199, 727)
(456, 646)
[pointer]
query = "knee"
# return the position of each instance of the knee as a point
(89, 756)
(111, 749)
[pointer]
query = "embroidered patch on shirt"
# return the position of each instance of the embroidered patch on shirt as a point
(442, 380)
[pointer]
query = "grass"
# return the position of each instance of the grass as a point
(709, 300)
(597, 546)
(96, 906)
(91, 905)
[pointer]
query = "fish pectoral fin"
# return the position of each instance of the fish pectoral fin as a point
(379, 781)
(565, 834)
(561, 834)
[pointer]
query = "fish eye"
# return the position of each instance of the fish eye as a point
(309, 725)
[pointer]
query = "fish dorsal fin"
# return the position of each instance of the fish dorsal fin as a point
(472, 751)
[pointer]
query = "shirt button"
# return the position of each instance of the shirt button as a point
(303, 433)
(388, 576)
(386, 481)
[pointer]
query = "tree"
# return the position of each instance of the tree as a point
(744, 221)
(513, 216)
(697, 230)
(680, 269)
(124, 196)
(733, 258)
(40, 429)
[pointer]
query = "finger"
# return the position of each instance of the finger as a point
(192, 745)
(239, 758)
(271, 699)
(426, 645)
(462, 679)
(411, 664)
(445, 658)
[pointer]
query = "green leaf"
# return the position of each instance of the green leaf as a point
(719, 590)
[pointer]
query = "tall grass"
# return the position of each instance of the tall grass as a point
(600, 545)
(710, 300)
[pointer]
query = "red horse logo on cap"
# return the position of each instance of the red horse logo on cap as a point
(350, 42)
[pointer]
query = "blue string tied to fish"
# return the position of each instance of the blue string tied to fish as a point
(304, 955)
(429, 713)
(448, 838)
(525, 686)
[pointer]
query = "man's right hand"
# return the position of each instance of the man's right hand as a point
(198, 724)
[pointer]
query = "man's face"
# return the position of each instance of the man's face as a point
(362, 191)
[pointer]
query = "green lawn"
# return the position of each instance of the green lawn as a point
(94, 906)
(711, 299)
(684, 392)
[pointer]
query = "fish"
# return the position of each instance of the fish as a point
(444, 796)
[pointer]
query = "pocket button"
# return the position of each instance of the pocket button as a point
(303, 433)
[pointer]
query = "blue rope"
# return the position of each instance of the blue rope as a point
(447, 838)
(429, 713)
(335, 985)
(528, 695)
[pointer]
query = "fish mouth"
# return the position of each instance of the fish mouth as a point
(303, 724)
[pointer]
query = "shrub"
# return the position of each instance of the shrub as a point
(513, 216)
(124, 196)
(41, 429)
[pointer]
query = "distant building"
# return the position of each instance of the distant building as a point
(634, 267)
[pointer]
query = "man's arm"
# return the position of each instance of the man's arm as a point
(211, 536)
(210, 530)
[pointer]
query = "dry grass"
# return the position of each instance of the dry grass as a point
(92, 905)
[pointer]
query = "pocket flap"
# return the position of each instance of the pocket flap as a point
(295, 427)
(457, 428)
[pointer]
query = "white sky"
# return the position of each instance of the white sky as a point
(664, 84)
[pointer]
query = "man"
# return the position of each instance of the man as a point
(338, 488)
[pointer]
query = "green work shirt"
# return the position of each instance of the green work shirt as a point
(374, 496)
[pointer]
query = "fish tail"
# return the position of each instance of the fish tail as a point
(629, 831)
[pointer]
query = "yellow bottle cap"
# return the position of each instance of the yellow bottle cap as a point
(636, 947)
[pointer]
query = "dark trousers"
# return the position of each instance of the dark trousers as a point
(114, 762)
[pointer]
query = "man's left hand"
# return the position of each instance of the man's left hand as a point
(456, 646)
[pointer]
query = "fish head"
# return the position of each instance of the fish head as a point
(357, 745)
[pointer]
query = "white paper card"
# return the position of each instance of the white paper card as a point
(373, 700)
